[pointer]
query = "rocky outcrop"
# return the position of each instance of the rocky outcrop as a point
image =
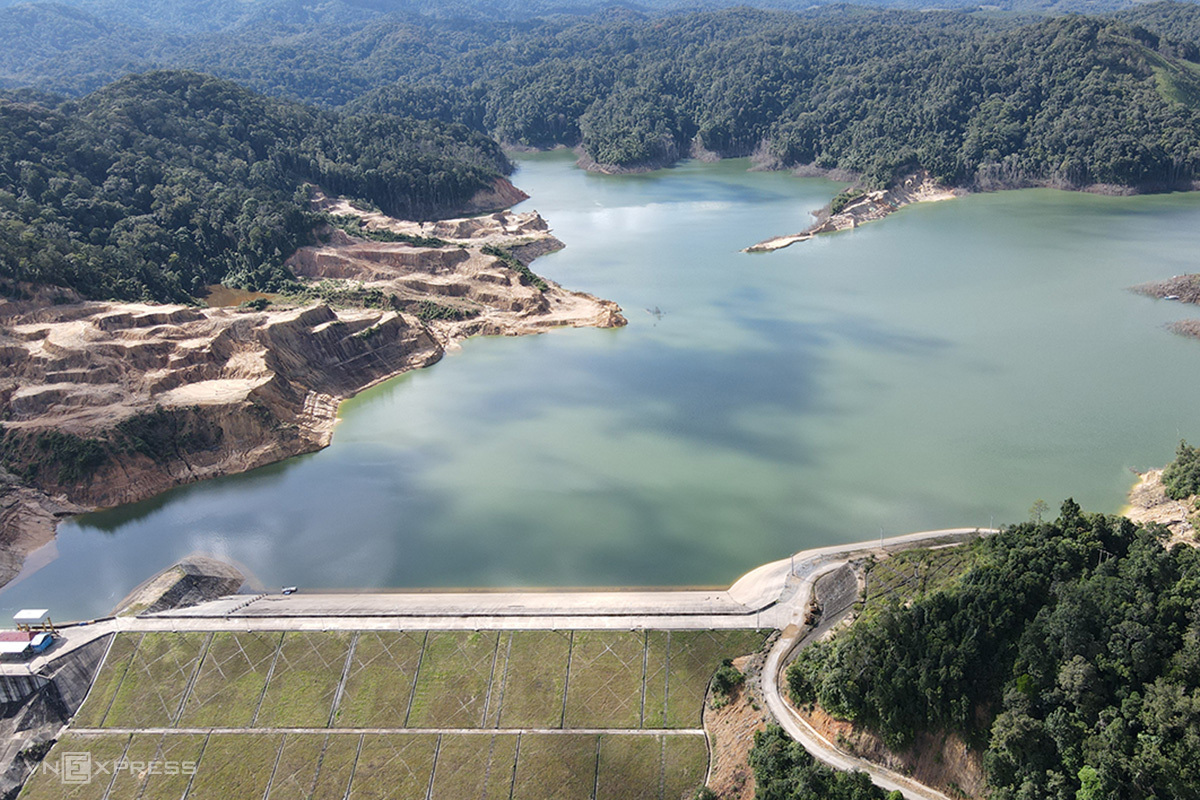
(108, 403)
(1148, 503)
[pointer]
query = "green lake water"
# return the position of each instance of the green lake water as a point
(945, 367)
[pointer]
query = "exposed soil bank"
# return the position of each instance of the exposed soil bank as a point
(1148, 502)
(110, 403)
(940, 760)
(731, 730)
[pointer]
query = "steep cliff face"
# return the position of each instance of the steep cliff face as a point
(107, 403)
(501, 194)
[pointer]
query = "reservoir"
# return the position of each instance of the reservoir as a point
(947, 366)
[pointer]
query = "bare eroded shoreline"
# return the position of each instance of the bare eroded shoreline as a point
(178, 394)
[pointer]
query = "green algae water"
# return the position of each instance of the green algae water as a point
(944, 367)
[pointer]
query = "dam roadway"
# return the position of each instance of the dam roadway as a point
(773, 596)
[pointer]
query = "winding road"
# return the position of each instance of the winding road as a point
(817, 564)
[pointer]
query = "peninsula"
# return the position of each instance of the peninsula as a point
(119, 382)
(853, 207)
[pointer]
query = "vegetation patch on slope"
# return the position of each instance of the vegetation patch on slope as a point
(913, 575)
(783, 770)
(50, 457)
(153, 686)
(1181, 478)
(1070, 651)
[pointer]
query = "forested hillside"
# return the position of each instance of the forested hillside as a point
(1179, 22)
(1069, 101)
(978, 100)
(187, 16)
(1070, 651)
(162, 183)
(199, 184)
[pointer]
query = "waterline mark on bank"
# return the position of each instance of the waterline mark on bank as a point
(77, 769)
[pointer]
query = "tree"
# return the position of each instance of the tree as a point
(1181, 478)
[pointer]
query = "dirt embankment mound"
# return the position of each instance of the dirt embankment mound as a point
(108, 403)
(193, 580)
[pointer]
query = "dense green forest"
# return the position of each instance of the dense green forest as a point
(1070, 101)
(1179, 22)
(1070, 650)
(979, 100)
(162, 183)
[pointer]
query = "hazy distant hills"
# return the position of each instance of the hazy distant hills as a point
(208, 16)
(334, 51)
